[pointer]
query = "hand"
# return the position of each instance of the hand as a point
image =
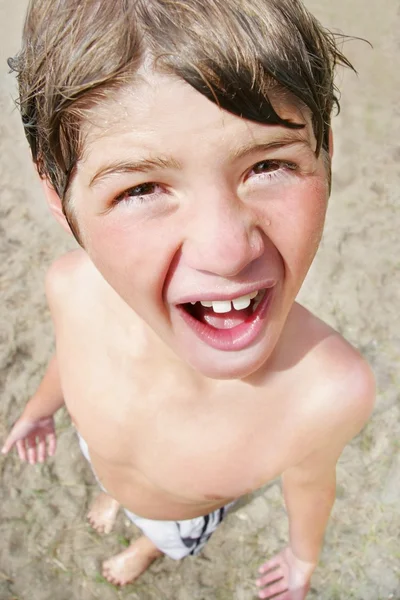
(285, 577)
(34, 440)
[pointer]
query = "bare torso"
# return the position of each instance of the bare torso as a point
(164, 441)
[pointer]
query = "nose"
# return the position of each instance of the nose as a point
(222, 238)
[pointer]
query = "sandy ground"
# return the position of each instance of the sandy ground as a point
(46, 549)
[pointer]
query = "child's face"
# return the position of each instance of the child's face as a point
(179, 202)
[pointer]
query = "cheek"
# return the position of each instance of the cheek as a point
(296, 223)
(133, 257)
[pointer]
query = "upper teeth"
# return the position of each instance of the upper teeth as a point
(224, 306)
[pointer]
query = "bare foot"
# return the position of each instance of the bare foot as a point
(132, 562)
(102, 513)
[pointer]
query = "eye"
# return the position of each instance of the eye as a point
(137, 192)
(273, 166)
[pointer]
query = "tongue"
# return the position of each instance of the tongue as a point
(228, 320)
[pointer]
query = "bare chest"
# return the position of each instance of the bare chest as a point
(154, 424)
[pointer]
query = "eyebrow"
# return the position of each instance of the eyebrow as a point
(148, 164)
(284, 140)
(139, 166)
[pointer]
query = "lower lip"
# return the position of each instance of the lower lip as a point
(237, 338)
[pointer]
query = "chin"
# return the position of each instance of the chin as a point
(227, 365)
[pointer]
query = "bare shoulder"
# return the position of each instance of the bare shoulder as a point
(69, 275)
(342, 381)
(66, 267)
(80, 298)
(336, 390)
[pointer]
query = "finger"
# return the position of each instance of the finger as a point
(51, 444)
(32, 455)
(273, 563)
(9, 443)
(271, 577)
(21, 450)
(274, 590)
(41, 450)
(18, 432)
(6, 447)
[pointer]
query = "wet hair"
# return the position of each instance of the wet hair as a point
(75, 54)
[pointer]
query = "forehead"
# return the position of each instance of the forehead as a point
(160, 111)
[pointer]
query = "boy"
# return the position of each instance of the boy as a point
(187, 146)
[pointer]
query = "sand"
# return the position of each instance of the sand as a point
(47, 551)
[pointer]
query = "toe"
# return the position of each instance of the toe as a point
(107, 575)
(107, 528)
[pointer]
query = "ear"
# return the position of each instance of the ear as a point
(55, 204)
(331, 143)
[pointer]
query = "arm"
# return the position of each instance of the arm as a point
(35, 426)
(309, 487)
(48, 398)
(309, 492)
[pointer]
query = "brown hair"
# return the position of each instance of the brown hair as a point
(232, 51)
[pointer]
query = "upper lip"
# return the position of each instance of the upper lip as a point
(221, 296)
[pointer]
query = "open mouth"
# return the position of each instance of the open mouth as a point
(225, 314)
(228, 324)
